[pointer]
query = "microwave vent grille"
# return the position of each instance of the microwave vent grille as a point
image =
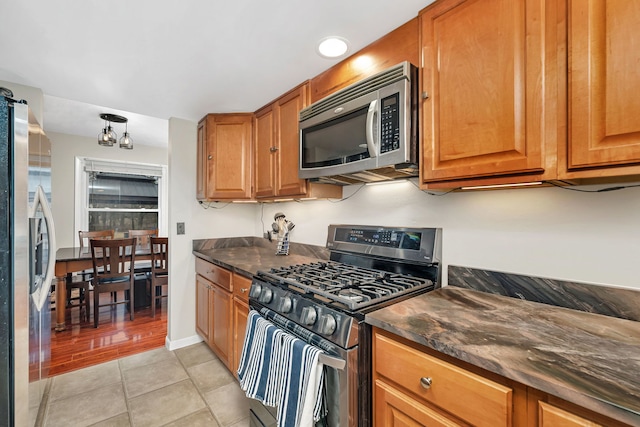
(368, 85)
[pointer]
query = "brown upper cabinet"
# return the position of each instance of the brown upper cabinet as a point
(277, 150)
(489, 91)
(277, 146)
(401, 44)
(513, 91)
(603, 88)
(224, 157)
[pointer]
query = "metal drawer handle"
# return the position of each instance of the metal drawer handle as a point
(425, 382)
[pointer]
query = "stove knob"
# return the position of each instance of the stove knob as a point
(308, 316)
(285, 305)
(266, 296)
(255, 291)
(327, 324)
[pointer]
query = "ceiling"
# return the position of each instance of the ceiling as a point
(151, 60)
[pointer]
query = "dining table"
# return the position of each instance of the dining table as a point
(74, 260)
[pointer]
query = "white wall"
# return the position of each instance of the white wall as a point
(64, 150)
(546, 232)
(229, 221)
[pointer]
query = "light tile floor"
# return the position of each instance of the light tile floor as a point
(185, 387)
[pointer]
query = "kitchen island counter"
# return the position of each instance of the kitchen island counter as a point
(587, 359)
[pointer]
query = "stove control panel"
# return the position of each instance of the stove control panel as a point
(309, 315)
(402, 243)
(333, 325)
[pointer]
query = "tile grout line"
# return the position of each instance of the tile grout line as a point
(125, 392)
(198, 389)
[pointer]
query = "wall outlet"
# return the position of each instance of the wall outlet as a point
(180, 228)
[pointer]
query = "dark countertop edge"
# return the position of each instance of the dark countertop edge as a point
(265, 257)
(222, 264)
(562, 391)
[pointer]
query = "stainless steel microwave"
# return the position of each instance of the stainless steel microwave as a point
(368, 125)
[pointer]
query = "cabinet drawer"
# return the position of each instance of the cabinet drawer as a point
(217, 275)
(464, 394)
(241, 286)
(549, 416)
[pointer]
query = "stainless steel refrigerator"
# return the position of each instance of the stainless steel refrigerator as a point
(27, 264)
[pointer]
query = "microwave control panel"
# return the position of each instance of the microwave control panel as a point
(390, 123)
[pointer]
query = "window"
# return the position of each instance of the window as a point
(120, 196)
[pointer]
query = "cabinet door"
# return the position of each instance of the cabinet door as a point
(221, 335)
(288, 142)
(203, 304)
(394, 408)
(240, 314)
(201, 160)
(484, 80)
(265, 152)
(604, 82)
(228, 154)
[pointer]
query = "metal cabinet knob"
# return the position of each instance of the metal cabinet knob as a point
(273, 149)
(243, 290)
(209, 157)
(425, 382)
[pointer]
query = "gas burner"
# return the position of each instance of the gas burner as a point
(346, 286)
(350, 294)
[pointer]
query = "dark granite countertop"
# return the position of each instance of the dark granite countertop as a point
(588, 359)
(247, 255)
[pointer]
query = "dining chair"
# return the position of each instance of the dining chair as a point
(143, 236)
(142, 242)
(85, 236)
(159, 270)
(83, 279)
(112, 273)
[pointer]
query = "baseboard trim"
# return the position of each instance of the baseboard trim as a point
(184, 342)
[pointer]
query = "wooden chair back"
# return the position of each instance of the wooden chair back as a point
(159, 255)
(111, 265)
(111, 259)
(159, 270)
(143, 236)
(85, 236)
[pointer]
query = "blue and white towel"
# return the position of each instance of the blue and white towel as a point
(283, 371)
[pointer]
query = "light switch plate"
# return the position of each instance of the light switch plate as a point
(180, 228)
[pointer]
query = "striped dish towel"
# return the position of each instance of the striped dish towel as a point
(261, 354)
(283, 371)
(302, 403)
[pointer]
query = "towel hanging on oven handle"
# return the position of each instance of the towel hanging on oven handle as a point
(307, 336)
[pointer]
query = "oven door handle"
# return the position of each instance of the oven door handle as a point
(334, 362)
(320, 343)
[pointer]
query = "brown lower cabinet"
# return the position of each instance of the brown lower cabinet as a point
(416, 386)
(222, 307)
(241, 286)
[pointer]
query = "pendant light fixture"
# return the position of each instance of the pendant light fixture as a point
(126, 141)
(108, 136)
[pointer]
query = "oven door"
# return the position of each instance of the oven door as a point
(340, 380)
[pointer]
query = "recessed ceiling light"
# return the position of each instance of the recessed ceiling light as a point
(333, 47)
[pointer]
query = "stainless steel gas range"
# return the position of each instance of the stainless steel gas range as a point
(325, 303)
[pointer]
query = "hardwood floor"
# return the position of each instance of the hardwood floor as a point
(82, 345)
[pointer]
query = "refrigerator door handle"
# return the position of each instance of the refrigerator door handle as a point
(41, 295)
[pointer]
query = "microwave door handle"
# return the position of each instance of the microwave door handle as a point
(371, 115)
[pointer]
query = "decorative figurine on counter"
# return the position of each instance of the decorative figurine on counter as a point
(282, 226)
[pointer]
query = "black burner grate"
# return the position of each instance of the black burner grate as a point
(353, 287)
